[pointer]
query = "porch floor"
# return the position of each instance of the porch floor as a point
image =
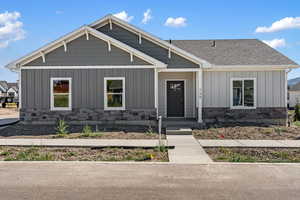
(180, 122)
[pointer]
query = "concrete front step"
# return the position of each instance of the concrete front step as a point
(178, 131)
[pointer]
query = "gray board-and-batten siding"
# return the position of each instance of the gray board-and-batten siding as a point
(88, 87)
(83, 52)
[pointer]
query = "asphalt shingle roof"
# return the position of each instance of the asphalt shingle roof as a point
(234, 52)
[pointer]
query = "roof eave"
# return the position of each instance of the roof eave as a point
(14, 66)
(252, 67)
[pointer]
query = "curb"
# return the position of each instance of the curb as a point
(144, 163)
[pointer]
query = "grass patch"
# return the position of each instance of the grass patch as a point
(297, 123)
(29, 154)
(91, 135)
(81, 154)
(268, 155)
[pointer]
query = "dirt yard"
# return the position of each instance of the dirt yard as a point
(81, 154)
(269, 155)
(250, 132)
(9, 113)
(49, 132)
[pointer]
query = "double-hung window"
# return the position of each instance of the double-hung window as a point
(243, 93)
(61, 93)
(114, 93)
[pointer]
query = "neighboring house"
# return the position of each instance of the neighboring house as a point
(113, 72)
(13, 89)
(9, 89)
(294, 95)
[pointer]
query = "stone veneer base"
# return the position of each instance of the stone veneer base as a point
(146, 117)
(90, 116)
(263, 116)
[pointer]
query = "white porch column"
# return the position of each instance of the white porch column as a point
(20, 88)
(199, 90)
(156, 90)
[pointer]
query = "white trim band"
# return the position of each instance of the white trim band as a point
(92, 67)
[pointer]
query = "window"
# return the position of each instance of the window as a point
(114, 93)
(61, 97)
(243, 93)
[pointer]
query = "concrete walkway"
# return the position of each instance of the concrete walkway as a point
(79, 142)
(187, 150)
(250, 143)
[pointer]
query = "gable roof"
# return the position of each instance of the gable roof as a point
(242, 52)
(234, 52)
(112, 19)
(3, 86)
(14, 86)
(75, 34)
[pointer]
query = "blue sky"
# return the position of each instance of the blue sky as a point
(43, 21)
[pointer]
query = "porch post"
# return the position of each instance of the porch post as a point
(156, 91)
(199, 94)
(20, 88)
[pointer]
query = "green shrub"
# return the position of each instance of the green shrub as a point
(150, 130)
(297, 113)
(161, 148)
(87, 130)
(297, 123)
(62, 128)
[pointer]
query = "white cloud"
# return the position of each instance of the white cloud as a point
(283, 24)
(124, 16)
(147, 16)
(275, 43)
(176, 22)
(10, 28)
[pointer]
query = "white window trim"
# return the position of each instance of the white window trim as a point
(123, 93)
(69, 108)
(231, 93)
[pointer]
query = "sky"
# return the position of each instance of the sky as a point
(27, 25)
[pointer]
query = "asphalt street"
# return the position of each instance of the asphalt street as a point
(89, 180)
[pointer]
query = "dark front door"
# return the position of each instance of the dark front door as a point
(175, 98)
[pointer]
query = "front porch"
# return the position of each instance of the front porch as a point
(179, 96)
(181, 122)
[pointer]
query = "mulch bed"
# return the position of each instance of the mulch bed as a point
(249, 132)
(270, 155)
(80, 154)
(49, 132)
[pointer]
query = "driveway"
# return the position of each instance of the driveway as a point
(8, 115)
(79, 180)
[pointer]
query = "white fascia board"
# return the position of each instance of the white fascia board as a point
(203, 63)
(92, 67)
(251, 67)
(72, 36)
(55, 44)
(179, 70)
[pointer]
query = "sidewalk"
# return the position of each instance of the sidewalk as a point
(187, 150)
(79, 142)
(250, 143)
